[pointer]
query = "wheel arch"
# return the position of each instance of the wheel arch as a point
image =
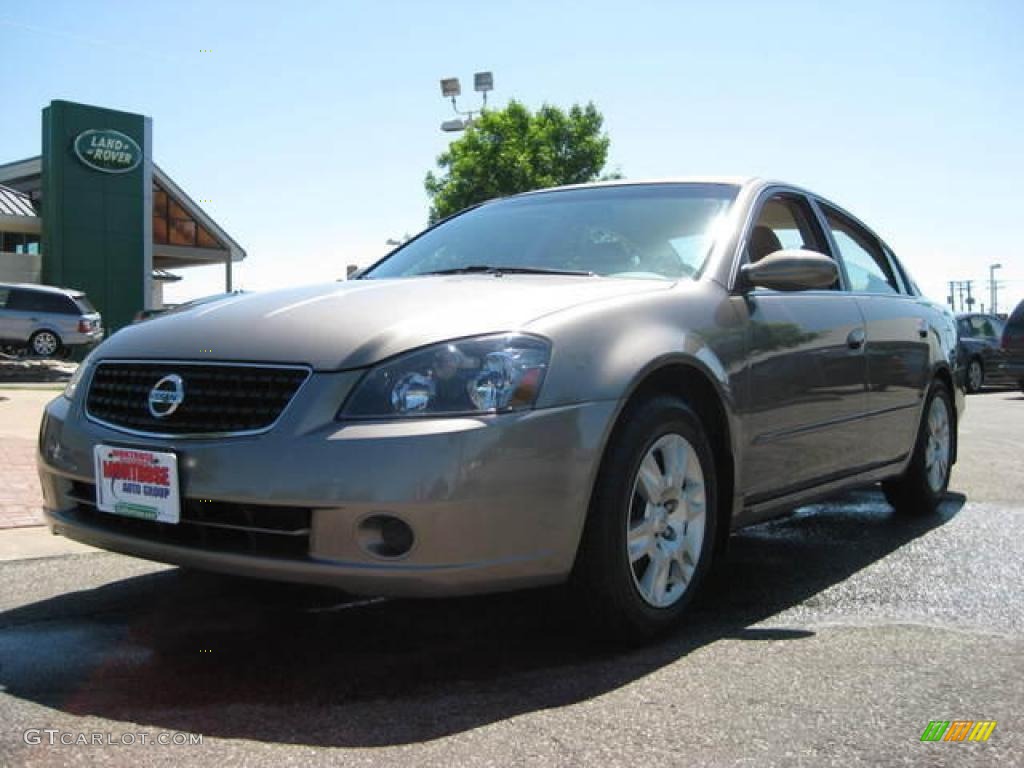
(45, 329)
(945, 375)
(690, 380)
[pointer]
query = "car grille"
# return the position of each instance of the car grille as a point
(218, 398)
(255, 529)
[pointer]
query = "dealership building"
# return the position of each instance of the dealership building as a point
(95, 213)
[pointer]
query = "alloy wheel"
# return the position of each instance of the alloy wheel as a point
(667, 520)
(44, 344)
(938, 450)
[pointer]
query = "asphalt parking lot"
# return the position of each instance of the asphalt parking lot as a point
(833, 636)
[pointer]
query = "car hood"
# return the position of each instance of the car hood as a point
(358, 323)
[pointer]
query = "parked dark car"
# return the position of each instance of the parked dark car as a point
(1013, 346)
(980, 349)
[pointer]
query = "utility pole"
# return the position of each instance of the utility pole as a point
(970, 299)
(960, 290)
(993, 288)
(952, 298)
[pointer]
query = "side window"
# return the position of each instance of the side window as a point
(40, 301)
(986, 327)
(21, 300)
(784, 222)
(866, 264)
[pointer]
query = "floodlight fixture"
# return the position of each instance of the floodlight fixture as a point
(450, 87)
(483, 82)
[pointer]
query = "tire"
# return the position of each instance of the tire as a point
(975, 376)
(44, 344)
(613, 576)
(921, 488)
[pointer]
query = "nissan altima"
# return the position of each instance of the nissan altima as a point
(591, 385)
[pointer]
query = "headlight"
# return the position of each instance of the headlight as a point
(76, 377)
(482, 375)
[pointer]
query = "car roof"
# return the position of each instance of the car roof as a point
(43, 288)
(736, 181)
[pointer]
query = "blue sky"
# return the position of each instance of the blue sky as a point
(310, 126)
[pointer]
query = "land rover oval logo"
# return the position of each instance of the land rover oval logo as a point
(166, 395)
(108, 151)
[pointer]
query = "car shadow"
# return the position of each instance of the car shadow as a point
(231, 658)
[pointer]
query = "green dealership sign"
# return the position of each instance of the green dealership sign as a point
(108, 151)
(97, 207)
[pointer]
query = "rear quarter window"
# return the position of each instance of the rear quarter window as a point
(84, 305)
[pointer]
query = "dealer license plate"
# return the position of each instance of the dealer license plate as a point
(137, 483)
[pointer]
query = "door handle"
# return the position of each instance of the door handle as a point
(856, 338)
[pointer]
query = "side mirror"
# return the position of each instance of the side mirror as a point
(791, 271)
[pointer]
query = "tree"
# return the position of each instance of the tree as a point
(513, 150)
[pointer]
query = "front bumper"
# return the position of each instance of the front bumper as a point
(495, 503)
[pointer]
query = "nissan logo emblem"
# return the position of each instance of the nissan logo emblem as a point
(166, 395)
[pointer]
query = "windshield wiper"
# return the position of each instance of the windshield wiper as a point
(492, 270)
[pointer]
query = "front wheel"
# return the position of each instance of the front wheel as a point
(649, 537)
(920, 489)
(975, 376)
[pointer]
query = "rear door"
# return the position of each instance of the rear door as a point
(806, 370)
(898, 326)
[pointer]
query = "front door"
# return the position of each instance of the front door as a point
(806, 397)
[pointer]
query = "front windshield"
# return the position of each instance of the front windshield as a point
(656, 231)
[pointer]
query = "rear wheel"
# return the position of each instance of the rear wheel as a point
(975, 376)
(649, 536)
(44, 344)
(921, 488)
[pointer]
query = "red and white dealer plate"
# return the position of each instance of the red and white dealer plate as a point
(137, 483)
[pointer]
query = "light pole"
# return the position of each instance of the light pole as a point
(483, 82)
(994, 297)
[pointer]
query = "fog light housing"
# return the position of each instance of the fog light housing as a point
(385, 536)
